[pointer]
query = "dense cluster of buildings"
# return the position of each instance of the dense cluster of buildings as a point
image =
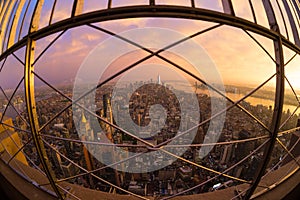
(66, 132)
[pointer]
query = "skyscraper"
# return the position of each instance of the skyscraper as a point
(158, 80)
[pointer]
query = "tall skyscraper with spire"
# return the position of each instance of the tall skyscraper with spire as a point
(158, 80)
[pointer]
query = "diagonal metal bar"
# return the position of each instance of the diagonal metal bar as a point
(29, 179)
(297, 7)
(161, 50)
(203, 167)
(290, 59)
(16, 144)
(2, 65)
(68, 192)
(292, 22)
(252, 11)
(14, 127)
(17, 166)
(40, 171)
(295, 13)
(9, 26)
(3, 9)
(239, 195)
(97, 177)
(260, 45)
(222, 173)
(23, 19)
(91, 142)
(115, 126)
(33, 164)
(16, 110)
(20, 149)
(48, 46)
(288, 131)
(283, 19)
(101, 168)
(288, 151)
(15, 22)
(5, 22)
(219, 143)
(20, 61)
(282, 125)
(3, 148)
(141, 146)
(52, 12)
(290, 172)
(294, 167)
(280, 161)
(11, 97)
(295, 94)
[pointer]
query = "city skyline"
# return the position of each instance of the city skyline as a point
(255, 61)
(149, 99)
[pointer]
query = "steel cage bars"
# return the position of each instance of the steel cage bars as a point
(30, 99)
(278, 98)
(152, 10)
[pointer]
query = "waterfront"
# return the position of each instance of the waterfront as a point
(235, 96)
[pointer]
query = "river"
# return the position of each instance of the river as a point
(254, 101)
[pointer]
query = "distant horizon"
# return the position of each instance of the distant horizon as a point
(70, 84)
(249, 69)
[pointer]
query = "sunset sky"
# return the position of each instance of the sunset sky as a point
(237, 57)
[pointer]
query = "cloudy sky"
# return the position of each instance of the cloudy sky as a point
(238, 59)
